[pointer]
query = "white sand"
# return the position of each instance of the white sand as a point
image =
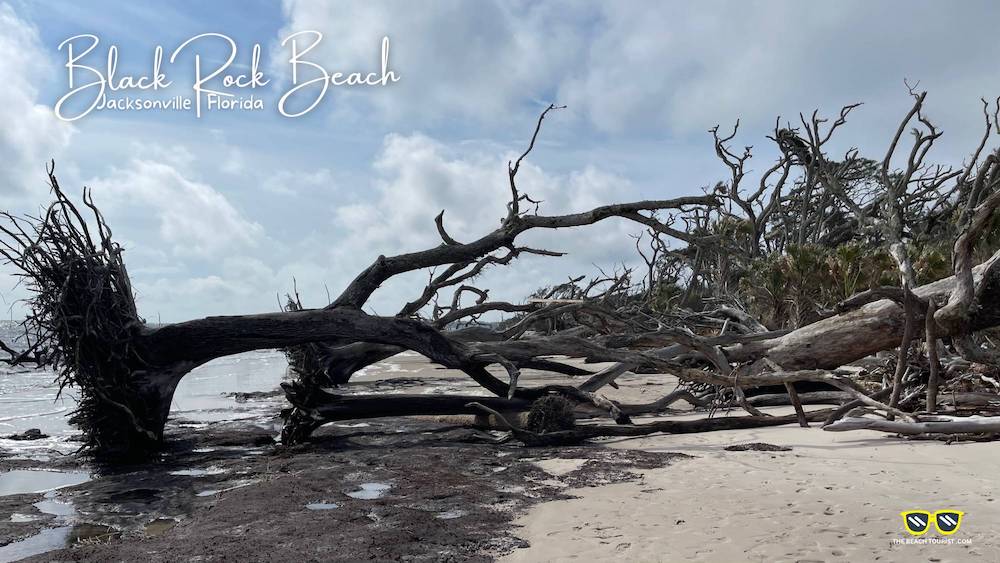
(834, 497)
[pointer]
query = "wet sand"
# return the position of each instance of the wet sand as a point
(395, 490)
(426, 489)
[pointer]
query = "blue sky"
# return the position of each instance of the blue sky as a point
(218, 214)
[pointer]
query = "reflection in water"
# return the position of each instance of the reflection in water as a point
(322, 506)
(199, 472)
(370, 491)
(48, 539)
(205, 395)
(20, 481)
(29, 398)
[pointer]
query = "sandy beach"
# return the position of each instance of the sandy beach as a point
(452, 496)
(833, 497)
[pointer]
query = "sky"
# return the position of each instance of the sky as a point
(219, 214)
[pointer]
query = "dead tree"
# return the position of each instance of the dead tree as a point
(127, 371)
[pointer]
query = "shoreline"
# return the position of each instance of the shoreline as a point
(441, 494)
(832, 497)
(223, 491)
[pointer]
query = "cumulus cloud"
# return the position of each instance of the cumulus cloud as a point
(685, 67)
(662, 67)
(643, 81)
(297, 183)
(31, 134)
(455, 59)
(192, 218)
(418, 176)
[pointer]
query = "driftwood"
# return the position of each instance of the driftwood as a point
(585, 432)
(686, 317)
(812, 398)
(848, 337)
(935, 425)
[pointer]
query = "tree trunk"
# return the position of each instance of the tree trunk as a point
(842, 339)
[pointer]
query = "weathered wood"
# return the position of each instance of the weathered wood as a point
(585, 432)
(794, 397)
(811, 398)
(605, 377)
(330, 408)
(360, 289)
(663, 403)
(939, 425)
(934, 365)
(842, 339)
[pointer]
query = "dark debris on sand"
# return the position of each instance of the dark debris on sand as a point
(452, 497)
(757, 447)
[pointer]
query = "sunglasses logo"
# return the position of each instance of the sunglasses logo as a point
(917, 522)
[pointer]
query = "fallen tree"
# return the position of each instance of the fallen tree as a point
(83, 312)
(935, 425)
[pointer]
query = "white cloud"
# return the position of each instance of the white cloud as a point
(30, 134)
(234, 163)
(290, 183)
(455, 59)
(660, 67)
(683, 67)
(419, 176)
(192, 217)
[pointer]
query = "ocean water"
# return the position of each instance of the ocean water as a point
(30, 398)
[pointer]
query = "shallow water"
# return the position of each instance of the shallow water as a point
(450, 514)
(46, 540)
(204, 394)
(199, 472)
(28, 399)
(55, 507)
(20, 481)
(370, 491)
(50, 538)
(322, 506)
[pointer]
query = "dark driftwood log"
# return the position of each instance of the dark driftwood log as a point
(171, 351)
(586, 432)
(793, 396)
(168, 353)
(330, 408)
(811, 398)
(384, 268)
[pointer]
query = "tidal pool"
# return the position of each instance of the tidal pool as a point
(370, 491)
(21, 481)
(322, 506)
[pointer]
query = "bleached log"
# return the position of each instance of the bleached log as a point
(939, 425)
(842, 339)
